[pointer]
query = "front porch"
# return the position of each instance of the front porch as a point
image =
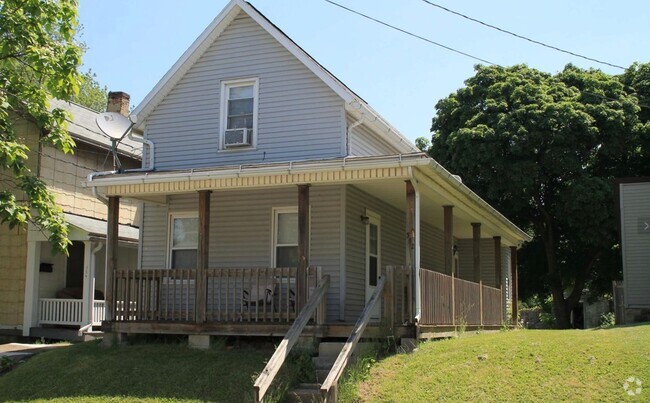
(205, 231)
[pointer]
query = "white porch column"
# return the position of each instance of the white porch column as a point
(417, 262)
(88, 284)
(30, 312)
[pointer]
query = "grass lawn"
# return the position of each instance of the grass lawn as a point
(140, 372)
(524, 365)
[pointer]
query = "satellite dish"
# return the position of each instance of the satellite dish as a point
(113, 124)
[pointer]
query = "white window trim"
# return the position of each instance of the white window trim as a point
(223, 117)
(274, 228)
(374, 219)
(170, 229)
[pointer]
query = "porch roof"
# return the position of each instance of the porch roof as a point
(433, 180)
(97, 228)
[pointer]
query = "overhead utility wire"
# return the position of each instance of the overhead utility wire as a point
(457, 51)
(411, 34)
(521, 36)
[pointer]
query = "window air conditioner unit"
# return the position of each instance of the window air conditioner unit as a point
(237, 137)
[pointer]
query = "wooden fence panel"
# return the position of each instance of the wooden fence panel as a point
(467, 302)
(449, 301)
(436, 298)
(492, 306)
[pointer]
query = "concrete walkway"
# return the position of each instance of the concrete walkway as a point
(18, 351)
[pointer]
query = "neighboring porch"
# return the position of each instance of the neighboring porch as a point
(64, 295)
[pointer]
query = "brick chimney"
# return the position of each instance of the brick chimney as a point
(118, 102)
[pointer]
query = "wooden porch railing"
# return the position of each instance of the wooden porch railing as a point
(450, 301)
(232, 294)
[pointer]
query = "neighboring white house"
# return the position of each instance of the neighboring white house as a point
(264, 163)
(633, 202)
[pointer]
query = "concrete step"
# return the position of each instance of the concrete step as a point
(332, 349)
(305, 392)
(323, 362)
(321, 374)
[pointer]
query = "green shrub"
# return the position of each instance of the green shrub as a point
(607, 320)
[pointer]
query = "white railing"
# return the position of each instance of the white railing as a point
(99, 310)
(54, 311)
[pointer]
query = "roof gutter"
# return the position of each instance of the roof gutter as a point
(452, 180)
(272, 169)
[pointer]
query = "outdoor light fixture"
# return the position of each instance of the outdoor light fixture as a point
(365, 219)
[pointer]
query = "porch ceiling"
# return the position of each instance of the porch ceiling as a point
(393, 192)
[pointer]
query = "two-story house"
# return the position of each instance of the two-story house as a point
(269, 177)
(53, 295)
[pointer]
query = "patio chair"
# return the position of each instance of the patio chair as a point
(258, 296)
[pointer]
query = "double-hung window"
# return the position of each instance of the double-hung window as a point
(239, 112)
(183, 240)
(285, 237)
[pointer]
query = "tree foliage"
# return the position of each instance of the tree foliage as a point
(38, 60)
(544, 149)
(91, 94)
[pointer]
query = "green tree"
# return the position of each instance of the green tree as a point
(91, 94)
(39, 58)
(543, 149)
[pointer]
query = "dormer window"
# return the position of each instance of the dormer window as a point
(239, 111)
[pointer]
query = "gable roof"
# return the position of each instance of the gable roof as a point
(353, 103)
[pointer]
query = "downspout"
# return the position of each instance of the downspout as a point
(349, 131)
(96, 194)
(145, 141)
(416, 262)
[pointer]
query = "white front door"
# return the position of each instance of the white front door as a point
(373, 258)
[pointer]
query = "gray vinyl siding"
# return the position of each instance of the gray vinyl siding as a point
(393, 247)
(635, 205)
(363, 142)
(153, 233)
(432, 248)
(466, 260)
(241, 230)
(299, 116)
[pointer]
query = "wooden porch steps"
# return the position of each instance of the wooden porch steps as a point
(323, 362)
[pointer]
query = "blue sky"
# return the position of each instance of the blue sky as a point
(132, 43)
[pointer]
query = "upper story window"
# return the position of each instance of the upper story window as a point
(239, 111)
